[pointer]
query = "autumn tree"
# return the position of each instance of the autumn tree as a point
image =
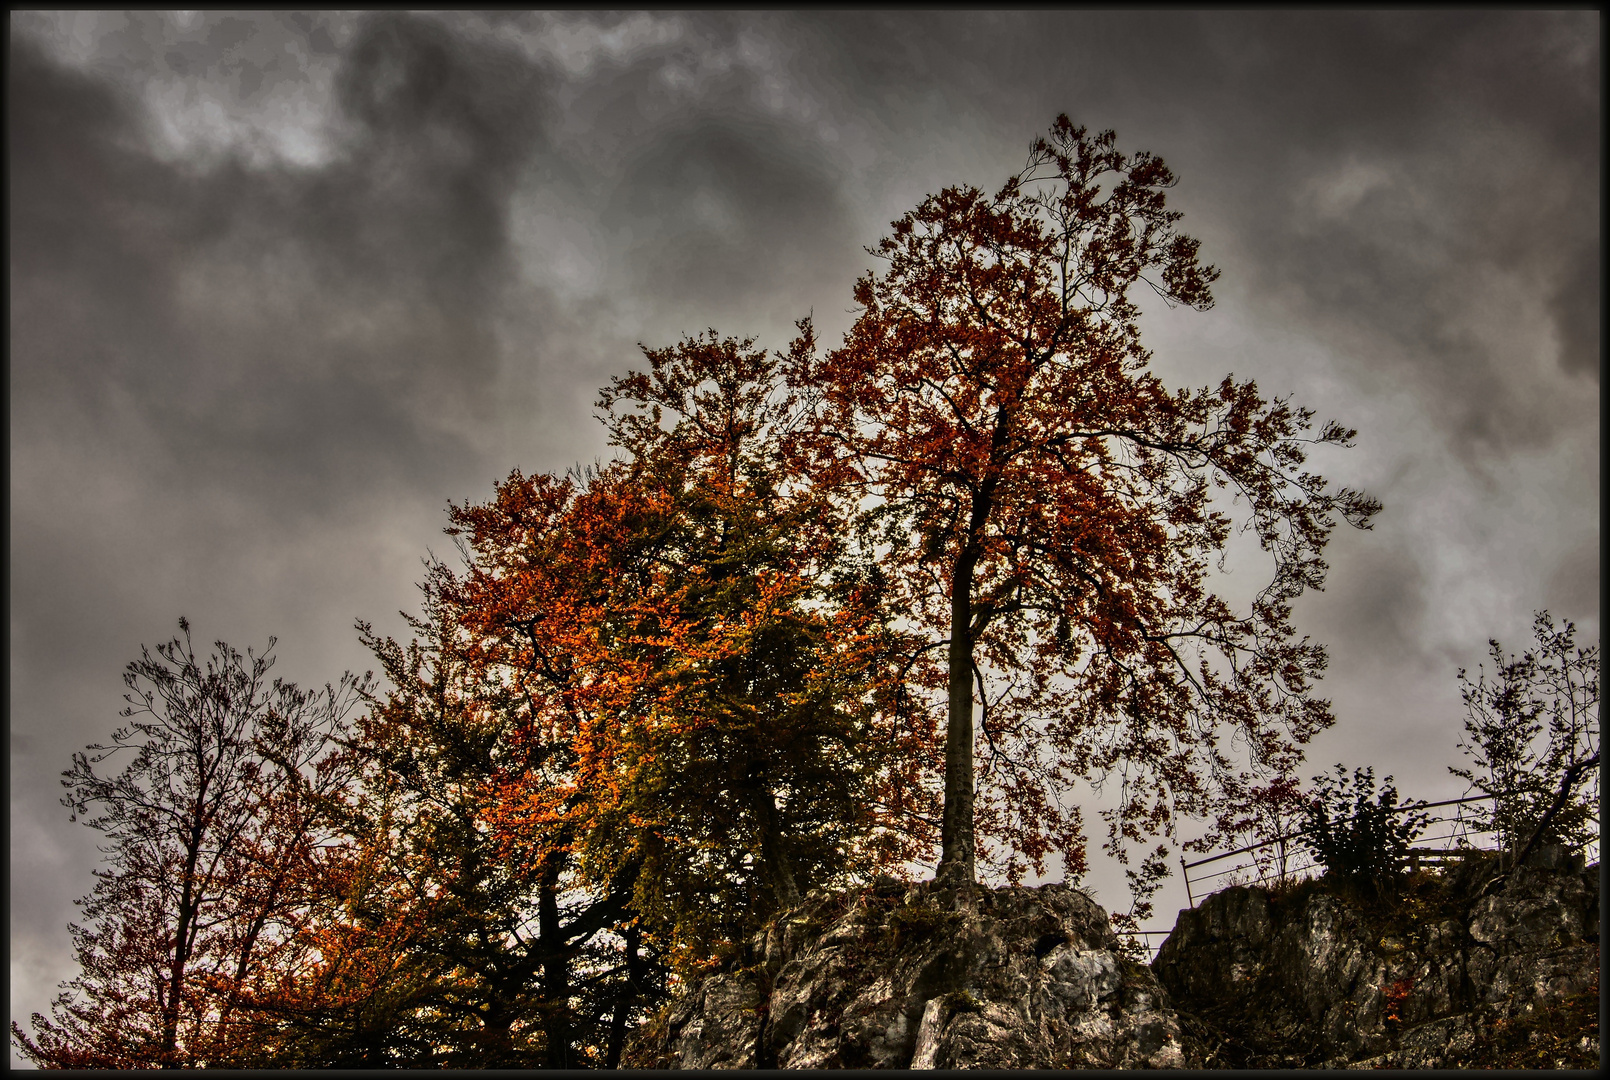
(479, 798)
(643, 716)
(1049, 508)
(782, 674)
(210, 827)
(692, 613)
(357, 990)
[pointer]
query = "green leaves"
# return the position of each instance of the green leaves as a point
(1358, 833)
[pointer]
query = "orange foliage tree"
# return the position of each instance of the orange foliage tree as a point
(452, 928)
(1047, 505)
(658, 703)
(483, 812)
(697, 627)
(358, 989)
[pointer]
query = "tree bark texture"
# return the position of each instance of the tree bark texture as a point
(957, 863)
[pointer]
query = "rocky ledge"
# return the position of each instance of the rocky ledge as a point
(890, 978)
(1451, 973)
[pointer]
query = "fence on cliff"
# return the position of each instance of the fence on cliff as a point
(1452, 831)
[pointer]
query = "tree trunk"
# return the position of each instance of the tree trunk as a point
(628, 997)
(779, 871)
(189, 905)
(1567, 784)
(957, 869)
(555, 973)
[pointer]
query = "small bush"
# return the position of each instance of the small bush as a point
(963, 1001)
(1359, 834)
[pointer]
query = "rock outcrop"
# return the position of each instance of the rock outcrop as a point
(1314, 977)
(890, 978)
(1449, 973)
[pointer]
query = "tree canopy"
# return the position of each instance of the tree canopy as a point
(1047, 505)
(688, 622)
(663, 697)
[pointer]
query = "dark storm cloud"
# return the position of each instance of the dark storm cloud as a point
(1387, 592)
(713, 200)
(232, 374)
(307, 329)
(444, 130)
(214, 363)
(1575, 307)
(1428, 167)
(725, 212)
(1388, 177)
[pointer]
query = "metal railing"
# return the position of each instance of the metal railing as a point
(1449, 836)
(1281, 858)
(1150, 940)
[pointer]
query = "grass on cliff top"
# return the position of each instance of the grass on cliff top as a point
(1408, 902)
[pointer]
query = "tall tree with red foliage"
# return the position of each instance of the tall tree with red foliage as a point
(1048, 506)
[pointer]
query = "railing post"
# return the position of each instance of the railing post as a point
(1185, 872)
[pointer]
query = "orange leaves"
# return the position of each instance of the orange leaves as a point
(686, 679)
(1395, 997)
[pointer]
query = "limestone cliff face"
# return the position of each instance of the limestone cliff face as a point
(890, 979)
(1314, 977)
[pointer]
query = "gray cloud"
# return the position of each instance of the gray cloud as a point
(1389, 178)
(1575, 307)
(714, 214)
(1434, 175)
(1573, 589)
(234, 376)
(1381, 608)
(280, 325)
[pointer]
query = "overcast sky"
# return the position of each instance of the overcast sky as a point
(284, 285)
